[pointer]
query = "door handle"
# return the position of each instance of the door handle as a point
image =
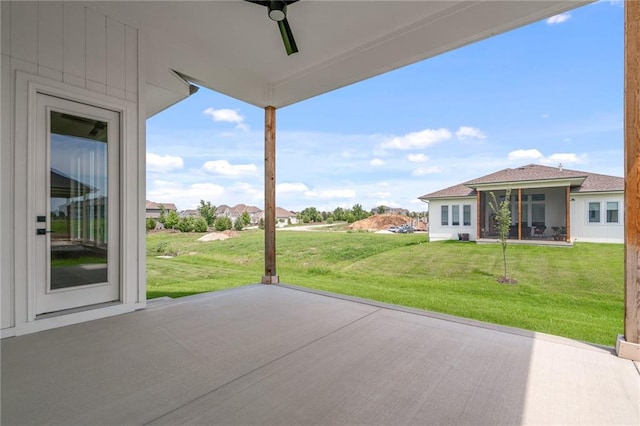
(42, 231)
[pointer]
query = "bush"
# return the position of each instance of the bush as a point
(186, 224)
(222, 223)
(238, 224)
(200, 225)
(261, 223)
(151, 223)
(165, 249)
(172, 220)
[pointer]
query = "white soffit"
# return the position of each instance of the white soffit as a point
(234, 48)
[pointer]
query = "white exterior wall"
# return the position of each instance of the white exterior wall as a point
(94, 58)
(438, 232)
(603, 232)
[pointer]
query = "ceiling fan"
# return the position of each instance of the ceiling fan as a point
(278, 12)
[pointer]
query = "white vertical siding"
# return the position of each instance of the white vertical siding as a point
(116, 79)
(74, 45)
(24, 31)
(71, 43)
(96, 53)
(50, 35)
(5, 26)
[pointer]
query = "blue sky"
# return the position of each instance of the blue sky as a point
(548, 93)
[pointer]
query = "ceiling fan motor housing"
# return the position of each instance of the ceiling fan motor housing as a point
(277, 10)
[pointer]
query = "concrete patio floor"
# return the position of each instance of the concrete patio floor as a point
(281, 355)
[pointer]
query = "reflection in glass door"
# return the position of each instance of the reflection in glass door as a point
(78, 201)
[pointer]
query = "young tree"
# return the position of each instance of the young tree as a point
(246, 218)
(223, 223)
(172, 219)
(207, 211)
(238, 224)
(163, 214)
(503, 222)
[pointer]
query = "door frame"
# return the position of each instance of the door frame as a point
(131, 248)
(49, 300)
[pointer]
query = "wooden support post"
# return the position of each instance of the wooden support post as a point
(270, 276)
(628, 346)
(479, 215)
(519, 213)
(567, 209)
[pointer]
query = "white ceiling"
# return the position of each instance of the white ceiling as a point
(234, 48)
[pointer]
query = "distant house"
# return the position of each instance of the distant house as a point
(550, 203)
(391, 210)
(236, 211)
(153, 209)
(190, 213)
(283, 217)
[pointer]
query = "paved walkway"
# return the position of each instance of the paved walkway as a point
(278, 355)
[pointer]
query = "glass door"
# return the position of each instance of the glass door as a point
(77, 223)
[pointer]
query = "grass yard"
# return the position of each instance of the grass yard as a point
(574, 292)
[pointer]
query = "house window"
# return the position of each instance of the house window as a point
(594, 212)
(466, 215)
(444, 219)
(537, 213)
(537, 197)
(455, 215)
(612, 212)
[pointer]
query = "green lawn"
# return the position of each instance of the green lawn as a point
(574, 292)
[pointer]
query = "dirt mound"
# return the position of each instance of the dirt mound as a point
(380, 221)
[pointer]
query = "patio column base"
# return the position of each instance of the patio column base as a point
(270, 279)
(627, 350)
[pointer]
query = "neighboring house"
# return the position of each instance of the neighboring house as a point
(550, 203)
(236, 211)
(190, 213)
(391, 210)
(153, 209)
(283, 217)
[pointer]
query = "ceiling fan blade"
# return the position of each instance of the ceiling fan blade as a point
(287, 37)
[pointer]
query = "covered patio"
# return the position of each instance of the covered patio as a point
(265, 353)
(284, 355)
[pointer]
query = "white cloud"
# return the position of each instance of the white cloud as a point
(163, 163)
(376, 162)
(525, 154)
(331, 193)
(417, 158)
(465, 133)
(381, 194)
(553, 159)
(184, 196)
(559, 19)
(565, 158)
(545, 115)
(426, 171)
(226, 116)
(223, 167)
(291, 187)
(416, 140)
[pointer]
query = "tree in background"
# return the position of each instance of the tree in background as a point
(238, 224)
(222, 223)
(200, 225)
(162, 218)
(207, 211)
(172, 220)
(246, 218)
(503, 222)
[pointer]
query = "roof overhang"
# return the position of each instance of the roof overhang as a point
(531, 184)
(234, 48)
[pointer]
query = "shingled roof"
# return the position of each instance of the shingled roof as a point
(592, 182)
